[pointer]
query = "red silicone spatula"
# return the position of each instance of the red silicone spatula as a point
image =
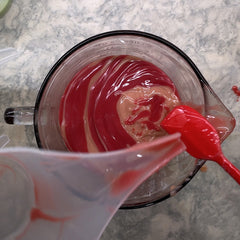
(199, 136)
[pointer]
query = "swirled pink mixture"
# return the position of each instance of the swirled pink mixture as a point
(114, 103)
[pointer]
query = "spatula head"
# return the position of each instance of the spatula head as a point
(199, 136)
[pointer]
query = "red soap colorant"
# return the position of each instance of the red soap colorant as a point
(125, 180)
(236, 90)
(89, 118)
(38, 214)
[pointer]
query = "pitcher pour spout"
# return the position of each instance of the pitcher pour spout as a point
(77, 194)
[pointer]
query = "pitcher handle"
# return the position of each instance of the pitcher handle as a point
(19, 115)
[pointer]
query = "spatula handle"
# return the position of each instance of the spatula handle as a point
(229, 168)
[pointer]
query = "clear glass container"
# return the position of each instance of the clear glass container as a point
(193, 90)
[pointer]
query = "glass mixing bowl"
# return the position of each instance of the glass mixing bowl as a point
(193, 90)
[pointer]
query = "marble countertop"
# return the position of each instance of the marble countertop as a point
(208, 31)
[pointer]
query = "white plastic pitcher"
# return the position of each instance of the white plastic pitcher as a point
(57, 195)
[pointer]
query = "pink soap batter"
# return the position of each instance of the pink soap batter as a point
(115, 102)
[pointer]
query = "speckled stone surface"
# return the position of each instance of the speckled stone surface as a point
(208, 31)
